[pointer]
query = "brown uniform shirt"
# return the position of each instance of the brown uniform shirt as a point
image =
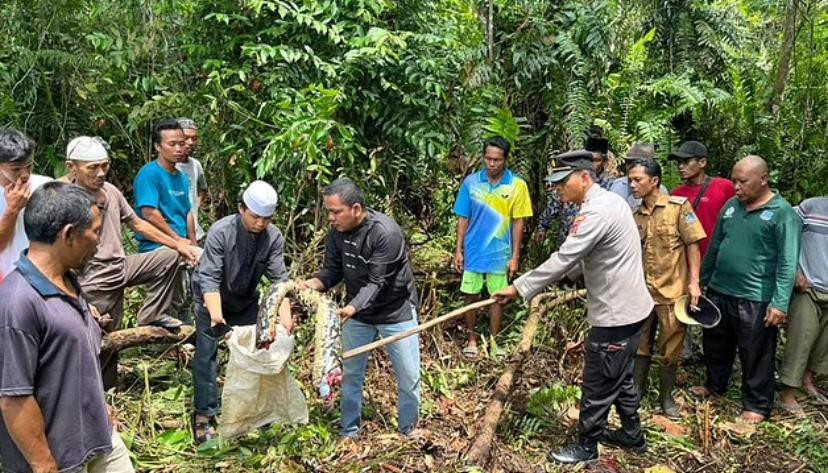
(665, 233)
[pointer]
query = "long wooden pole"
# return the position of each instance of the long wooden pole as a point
(481, 447)
(385, 341)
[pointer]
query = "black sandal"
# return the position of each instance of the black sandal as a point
(203, 431)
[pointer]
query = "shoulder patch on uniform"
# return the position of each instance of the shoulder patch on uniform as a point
(766, 215)
(677, 199)
(576, 223)
(690, 218)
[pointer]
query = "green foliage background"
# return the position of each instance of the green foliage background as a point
(399, 94)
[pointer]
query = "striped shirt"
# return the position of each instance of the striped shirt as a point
(813, 256)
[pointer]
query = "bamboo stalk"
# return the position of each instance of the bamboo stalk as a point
(388, 340)
(481, 447)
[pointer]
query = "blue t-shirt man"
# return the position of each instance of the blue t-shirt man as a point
(169, 192)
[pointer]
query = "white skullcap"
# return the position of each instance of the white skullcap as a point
(261, 198)
(86, 148)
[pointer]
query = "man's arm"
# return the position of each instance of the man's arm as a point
(331, 273)
(694, 266)
(585, 232)
(150, 232)
(788, 235)
(459, 258)
(191, 232)
(154, 216)
(517, 241)
(24, 422)
(17, 195)
(210, 271)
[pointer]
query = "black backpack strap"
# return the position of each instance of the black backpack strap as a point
(697, 201)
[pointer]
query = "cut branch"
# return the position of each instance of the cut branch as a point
(479, 451)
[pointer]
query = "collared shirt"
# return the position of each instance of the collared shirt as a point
(233, 263)
(710, 205)
(106, 268)
(169, 193)
(373, 262)
(813, 257)
(603, 243)
(198, 183)
(665, 232)
(753, 255)
(621, 186)
(490, 210)
(49, 348)
(564, 213)
(19, 241)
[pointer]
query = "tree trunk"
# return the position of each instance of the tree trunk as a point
(788, 43)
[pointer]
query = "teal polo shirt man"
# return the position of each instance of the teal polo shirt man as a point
(749, 271)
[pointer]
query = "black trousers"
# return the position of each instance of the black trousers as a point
(608, 380)
(742, 327)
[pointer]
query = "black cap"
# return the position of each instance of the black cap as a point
(640, 151)
(689, 149)
(569, 162)
(597, 145)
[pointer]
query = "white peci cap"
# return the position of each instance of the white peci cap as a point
(261, 198)
(87, 148)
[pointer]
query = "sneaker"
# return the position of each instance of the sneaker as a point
(574, 454)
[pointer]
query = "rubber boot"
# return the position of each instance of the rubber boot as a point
(668, 382)
(641, 373)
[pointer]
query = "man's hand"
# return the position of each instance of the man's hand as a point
(17, 196)
(802, 284)
(48, 465)
(216, 320)
(458, 261)
(187, 253)
(775, 317)
(514, 267)
(503, 296)
(311, 284)
(695, 293)
(346, 312)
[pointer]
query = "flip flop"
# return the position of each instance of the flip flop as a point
(470, 353)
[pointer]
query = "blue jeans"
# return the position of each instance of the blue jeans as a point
(405, 357)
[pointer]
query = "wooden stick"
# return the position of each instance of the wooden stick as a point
(385, 341)
(481, 447)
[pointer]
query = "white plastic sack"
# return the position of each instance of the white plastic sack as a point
(258, 387)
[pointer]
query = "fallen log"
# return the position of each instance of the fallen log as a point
(479, 451)
(147, 335)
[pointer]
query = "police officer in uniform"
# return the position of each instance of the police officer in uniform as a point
(670, 236)
(603, 243)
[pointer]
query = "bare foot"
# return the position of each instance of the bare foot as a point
(750, 417)
(701, 391)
